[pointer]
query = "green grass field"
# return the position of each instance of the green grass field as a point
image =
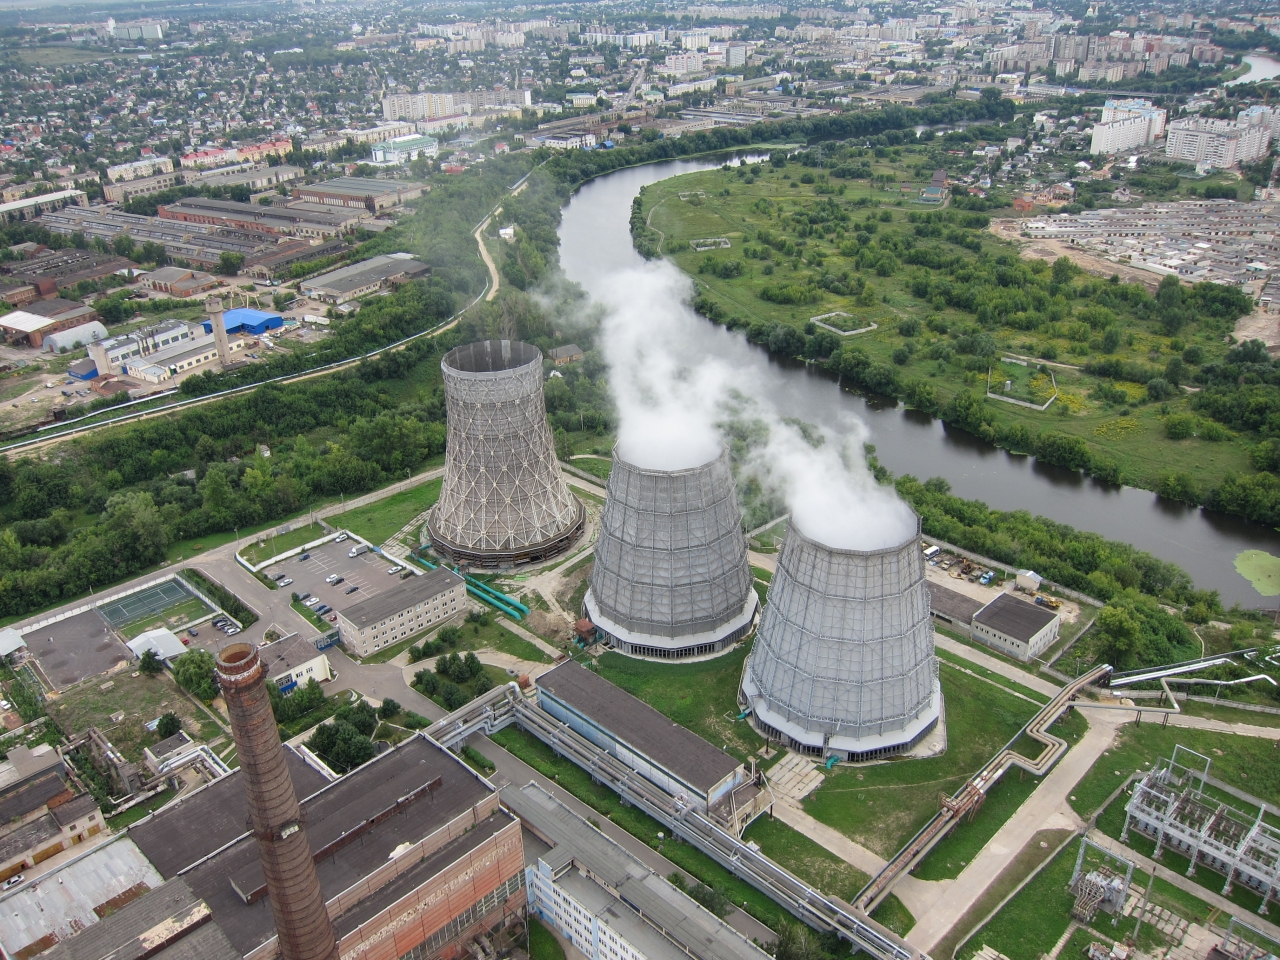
(543, 944)
(273, 546)
(379, 522)
(700, 696)
(1132, 435)
(882, 805)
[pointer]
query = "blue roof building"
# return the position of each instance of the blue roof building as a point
(244, 320)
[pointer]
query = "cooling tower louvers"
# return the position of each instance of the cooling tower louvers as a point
(671, 578)
(843, 662)
(303, 927)
(503, 500)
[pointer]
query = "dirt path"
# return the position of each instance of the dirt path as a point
(488, 260)
(1051, 250)
(1260, 326)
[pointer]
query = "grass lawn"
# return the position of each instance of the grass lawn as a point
(492, 635)
(263, 549)
(172, 618)
(883, 805)
(1031, 923)
(140, 699)
(812, 231)
(311, 616)
(954, 852)
(700, 696)
(604, 801)
(996, 679)
(1248, 762)
(144, 809)
(587, 496)
(1228, 714)
(379, 522)
(598, 466)
(543, 944)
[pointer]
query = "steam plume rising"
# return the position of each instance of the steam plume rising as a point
(676, 385)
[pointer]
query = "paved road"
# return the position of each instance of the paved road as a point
(514, 770)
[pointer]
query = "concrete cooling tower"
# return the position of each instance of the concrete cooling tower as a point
(671, 578)
(843, 662)
(503, 501)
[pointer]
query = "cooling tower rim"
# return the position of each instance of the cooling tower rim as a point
(658, 472)
(452, 363)
(794, 530)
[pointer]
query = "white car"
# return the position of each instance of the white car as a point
(312, 602)
(232, 631)
(5, 705)
(330, 578)
(286, 581)
(340, 538)
(395, 569)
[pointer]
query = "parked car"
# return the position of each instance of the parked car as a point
(304, 596)
(331, 578)
(14, 881)
(340, 538)
(186, 641)
(5, 705)
(352, 589)
(395, 569)
(323, 609)
(314, 601)
(286, 581)
(277, 577)
(194, 632)
(233, 631)
(305, 556)
(986, 578)
(339, 580)
(333, 618)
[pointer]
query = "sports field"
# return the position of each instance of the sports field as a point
(167, 604)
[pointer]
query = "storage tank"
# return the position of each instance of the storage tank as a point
(671, 578)
(503, 500)
(843, 663)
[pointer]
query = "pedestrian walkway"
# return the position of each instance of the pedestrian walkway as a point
(794, 777)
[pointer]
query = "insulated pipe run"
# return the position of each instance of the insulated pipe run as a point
(303, 927)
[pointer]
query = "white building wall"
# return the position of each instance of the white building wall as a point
(1126, 134)
(556, 906)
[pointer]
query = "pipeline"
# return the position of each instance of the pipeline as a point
(482, 591)
(498, 594)
(485, 598)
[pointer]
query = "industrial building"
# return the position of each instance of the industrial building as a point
(671, 578)
(247, 321)
(951, 609)
(843, 663)
(170, 362)
(1016, 628)
(372, 195)
(41, 814)
(410, 607)
(28, 206)
(67, 267)
(1179, 806)
(24, 326)
(178, 281)
(74, 337)
(273, 261)
(126, 190)
(111, 354)
(666, 754)
(363, 278)
(604, 900)
(291, 663)
(504, 500)
(279, 220)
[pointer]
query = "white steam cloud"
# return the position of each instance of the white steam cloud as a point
(674, 389)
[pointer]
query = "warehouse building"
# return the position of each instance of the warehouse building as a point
(248, 322)
(373, 195)
(951, 609)
(126, 190)
(66, 268)
(278, 220)
(41, 814)
(660, 750)
(276, 260)
(178, 281)
(1016, 628)
(363, 278)
(74, 337)
(111, 354)
(603, 899)
(174, 361)
(23, 326)
(410, 607)
(400, 150)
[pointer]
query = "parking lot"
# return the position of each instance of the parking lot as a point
(75, 648)
(368, 572)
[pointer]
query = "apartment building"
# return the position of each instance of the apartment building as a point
(1219, 143)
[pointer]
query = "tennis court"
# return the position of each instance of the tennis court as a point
(144, 603)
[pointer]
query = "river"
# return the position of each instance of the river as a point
(1260, 68)
(595, 243)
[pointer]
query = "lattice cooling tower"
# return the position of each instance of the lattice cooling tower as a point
(671, 578)
(503, 500)
(843, 662)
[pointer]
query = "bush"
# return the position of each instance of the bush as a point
(909, 327)
(194, 673)
(1158, 388)
(1180, 426)
(150, 664)
(298, 704)
(454, 696)
(901, 355)
(388, 709)
(415, 721)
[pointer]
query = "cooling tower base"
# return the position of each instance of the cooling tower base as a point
(690, 646)
(818, 743)
(516, 556)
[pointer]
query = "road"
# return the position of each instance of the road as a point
(494, 279)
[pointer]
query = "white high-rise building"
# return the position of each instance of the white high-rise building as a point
(1131, 132)
(1221, 143)
(1114, 110)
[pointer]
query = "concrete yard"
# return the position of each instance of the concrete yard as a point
(368, 572)
(81, 646)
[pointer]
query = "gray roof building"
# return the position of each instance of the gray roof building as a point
(365, 277)
(1015, 627)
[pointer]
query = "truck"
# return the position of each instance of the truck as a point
(1053, 603)
(358, 549)
(931, 552)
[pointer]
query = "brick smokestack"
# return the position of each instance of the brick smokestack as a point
(213, 307)
(302, 922)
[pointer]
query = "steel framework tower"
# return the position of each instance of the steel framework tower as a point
(671, 578)
(303, 927)
(843, 662)
(503, 500)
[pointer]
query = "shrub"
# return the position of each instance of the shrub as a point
(168, 725)
(426, 682)
(1158, 388)
(1180, 426)
(909, 327)
(388, 709)
(150, 664)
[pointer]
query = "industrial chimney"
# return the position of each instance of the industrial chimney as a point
(843, 664)
(503, 500)
(671, 579)
(302, 922)
(213, 307)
